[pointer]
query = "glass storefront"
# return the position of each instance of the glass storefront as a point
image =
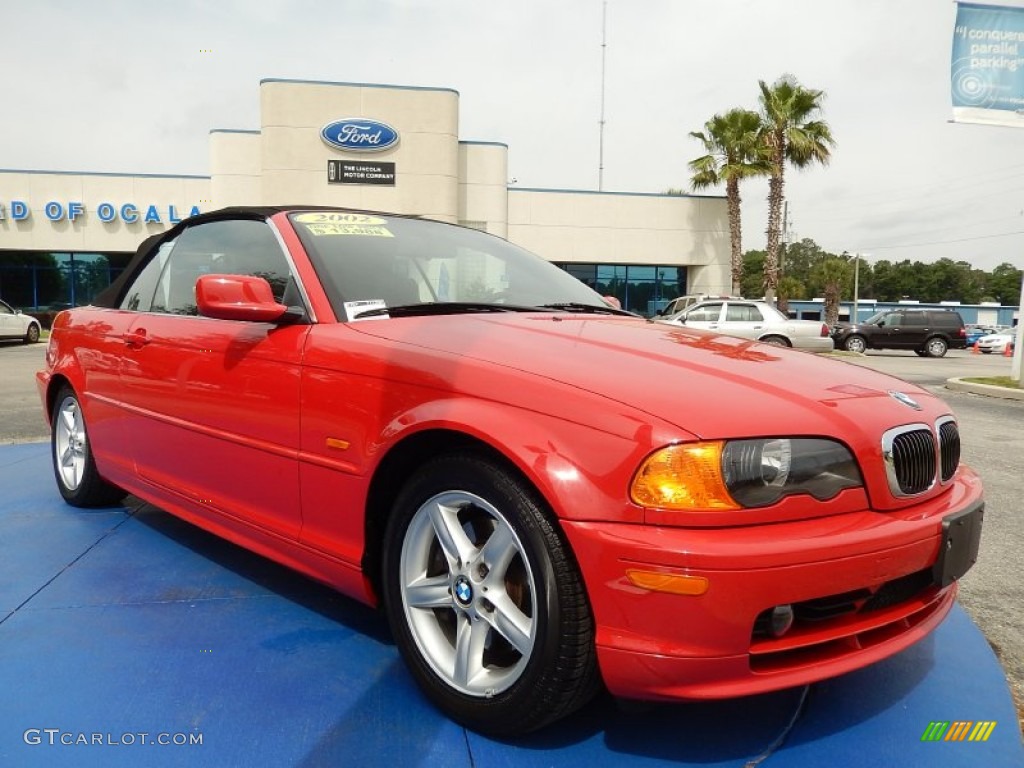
(640, 288)
(39, 281)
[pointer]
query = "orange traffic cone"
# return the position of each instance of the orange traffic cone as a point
(975, 350)
(1008, 349)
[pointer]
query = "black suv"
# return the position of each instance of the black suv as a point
(929, 332)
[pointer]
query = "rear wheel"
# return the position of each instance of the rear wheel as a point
(32, 334)
(777, 341)
(73, 466)
(855, 344)
(484, 599)
(936, 346)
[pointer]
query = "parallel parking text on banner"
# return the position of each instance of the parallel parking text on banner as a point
(988, 65)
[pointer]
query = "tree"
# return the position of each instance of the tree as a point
(733, 153)
(790, 134)
(833, 273)
(1004, 285)
(789, 288)
(801, 257)
(753, 267)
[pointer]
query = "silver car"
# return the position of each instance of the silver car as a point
(15, 325)
(754, 320)
(997, 342)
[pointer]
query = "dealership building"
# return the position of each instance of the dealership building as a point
(64, 235)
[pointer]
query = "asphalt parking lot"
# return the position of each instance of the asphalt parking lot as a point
(992, 433)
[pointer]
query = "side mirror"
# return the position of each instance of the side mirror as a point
(238, 297)
(17, 311)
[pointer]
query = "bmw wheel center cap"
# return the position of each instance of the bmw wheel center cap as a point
(463, 591)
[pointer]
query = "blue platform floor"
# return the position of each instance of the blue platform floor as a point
(126, 636)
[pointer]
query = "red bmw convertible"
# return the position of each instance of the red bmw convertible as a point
(545, 494)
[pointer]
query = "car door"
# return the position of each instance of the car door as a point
(9, 325)
(705, 316)
(744, 319)
(890, 333)
(214, 404)
(917, 327)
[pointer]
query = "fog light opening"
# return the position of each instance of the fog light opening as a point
(781, 620)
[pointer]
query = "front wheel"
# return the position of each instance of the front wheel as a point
(484, 599)
(77, 478)
(855, 344)
(936, 347)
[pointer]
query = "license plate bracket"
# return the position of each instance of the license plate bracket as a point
(961, 535)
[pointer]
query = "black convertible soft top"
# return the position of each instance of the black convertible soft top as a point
(111, 296)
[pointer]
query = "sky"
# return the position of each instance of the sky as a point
(135, 87)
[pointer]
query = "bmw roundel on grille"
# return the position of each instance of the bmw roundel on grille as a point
(906, 399)
(357, 134)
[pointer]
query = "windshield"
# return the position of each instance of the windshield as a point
(368, 263)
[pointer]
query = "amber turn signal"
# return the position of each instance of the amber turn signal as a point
(673, 583)
(685, 476)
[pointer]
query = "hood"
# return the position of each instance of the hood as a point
(708, 384)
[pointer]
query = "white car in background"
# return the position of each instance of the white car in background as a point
(756, 320)
(15, 325)
(682, 303)
(997, 342)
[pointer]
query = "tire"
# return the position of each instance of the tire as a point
(493, 622)
(776, 341)
(855, 344)
(73, 466)
(936, 346)
(32, 334)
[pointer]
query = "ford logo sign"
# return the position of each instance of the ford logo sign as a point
(356, 134)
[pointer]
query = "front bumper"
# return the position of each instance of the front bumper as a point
(862, 586)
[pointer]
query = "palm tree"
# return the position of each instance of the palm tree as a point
(733, 153)
(790, 134)
(833, 273)
(789, 288)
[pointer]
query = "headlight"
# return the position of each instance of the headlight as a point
(738, 474)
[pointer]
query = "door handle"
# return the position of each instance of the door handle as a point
(135, 338)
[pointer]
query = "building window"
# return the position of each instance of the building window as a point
(50, 280)
(640, 288)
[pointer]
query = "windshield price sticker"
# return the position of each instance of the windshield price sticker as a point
(340, 218)
(353, 309)
(319, 230)
(320, 224)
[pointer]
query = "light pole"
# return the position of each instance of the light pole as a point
(1016, 369)
(856, 288)
(856, 284)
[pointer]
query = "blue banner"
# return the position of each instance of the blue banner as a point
(988, 64)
